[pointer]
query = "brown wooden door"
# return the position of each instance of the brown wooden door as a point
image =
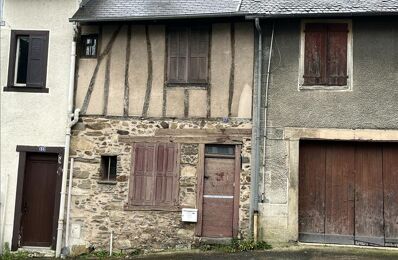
(312, 192)
(38, 201)
(348, 193)
(326, 189)
(218, 195)
(390, 183)
(339, 198)
(369, 222)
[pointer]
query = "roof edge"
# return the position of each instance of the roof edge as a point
(304, 15)
(157, 17)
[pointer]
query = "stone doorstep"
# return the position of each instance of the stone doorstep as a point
(215, 241)
(37, 251)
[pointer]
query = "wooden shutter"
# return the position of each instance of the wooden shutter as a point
(154, 180)
(198, 55)
(166, 175)
(315, 54)
(37, 60)
(337, 54)
(177, 55)
(141, 184)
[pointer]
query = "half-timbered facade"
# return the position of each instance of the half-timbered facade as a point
(165, 128)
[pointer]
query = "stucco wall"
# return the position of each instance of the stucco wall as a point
(36, 119)
(131, 88)
(370, 105)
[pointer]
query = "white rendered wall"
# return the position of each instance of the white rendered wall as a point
(36, 119)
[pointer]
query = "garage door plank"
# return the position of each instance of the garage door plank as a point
(312, 192)
(340, 174)
(390, 180)
(369, 223)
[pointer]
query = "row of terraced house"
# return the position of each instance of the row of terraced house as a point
(161, 124)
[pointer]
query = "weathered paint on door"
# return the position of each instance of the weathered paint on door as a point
(218, 191)
(339, 201)
(38, 200)
(348, 193)
(369, 222)
(390, 183)
(218, 197)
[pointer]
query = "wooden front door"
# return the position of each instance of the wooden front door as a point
(39, 200)
(219, 192)
(348, 193)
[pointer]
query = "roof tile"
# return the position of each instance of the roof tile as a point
(94, 10)
(315, 7)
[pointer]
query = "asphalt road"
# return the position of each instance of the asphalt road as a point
(296, 253)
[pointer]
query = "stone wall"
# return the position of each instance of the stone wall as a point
(98, 209)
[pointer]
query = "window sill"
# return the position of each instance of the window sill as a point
(88, 57)
(152, 208)
(186, 85)
(25, 89)
(107, 182)
(325, 88)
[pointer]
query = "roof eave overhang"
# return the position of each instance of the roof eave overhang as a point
(152, 18)
(315, 15)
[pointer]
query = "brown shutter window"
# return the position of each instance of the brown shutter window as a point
(198, 55)
(315, 54)
(28, 61)
(154, 178)
(337, 54)
(178, 55)
(325, 55)
(188, 51)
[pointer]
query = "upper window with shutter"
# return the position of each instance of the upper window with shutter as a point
(28, 61)
(154, 177)
(326, 56)
(188, 54)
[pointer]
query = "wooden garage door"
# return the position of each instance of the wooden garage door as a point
(348, 193)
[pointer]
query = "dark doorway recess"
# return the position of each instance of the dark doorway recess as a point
(38, 195)
(348, 193)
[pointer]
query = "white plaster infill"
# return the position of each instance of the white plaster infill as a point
(293, 137)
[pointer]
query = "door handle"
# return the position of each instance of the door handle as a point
(206, 177)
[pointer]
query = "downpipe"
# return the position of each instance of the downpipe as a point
(69, 203)
(255, 162)
(72, 120)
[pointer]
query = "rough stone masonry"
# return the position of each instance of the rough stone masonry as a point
(97, 208)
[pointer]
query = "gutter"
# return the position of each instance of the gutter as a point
(255, 161)
(72, 120)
